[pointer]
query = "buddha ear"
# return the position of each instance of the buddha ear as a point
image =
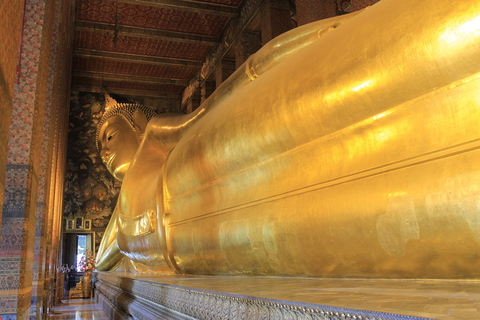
(140, 121)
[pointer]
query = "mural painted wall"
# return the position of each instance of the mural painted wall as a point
(90, 191)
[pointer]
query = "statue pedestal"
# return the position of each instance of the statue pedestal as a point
(223, 297)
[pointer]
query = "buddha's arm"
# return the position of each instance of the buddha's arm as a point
(288, 43)
(109, 254)
(165, 131)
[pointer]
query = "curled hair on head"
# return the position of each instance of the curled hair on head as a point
(126, 111)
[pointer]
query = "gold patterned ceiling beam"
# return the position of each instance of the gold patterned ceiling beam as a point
(128, 78)
(126, 92)
(130, 31)
(191, 6)
(125, 57)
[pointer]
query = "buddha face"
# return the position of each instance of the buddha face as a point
(118, 144)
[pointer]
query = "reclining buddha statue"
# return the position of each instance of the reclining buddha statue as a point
(349, 147)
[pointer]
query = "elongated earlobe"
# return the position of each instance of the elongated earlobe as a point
(140, 121)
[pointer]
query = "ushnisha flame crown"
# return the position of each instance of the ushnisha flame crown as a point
(125, 110)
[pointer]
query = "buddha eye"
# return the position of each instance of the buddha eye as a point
(110, 135)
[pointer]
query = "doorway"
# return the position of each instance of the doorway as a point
(74, 246)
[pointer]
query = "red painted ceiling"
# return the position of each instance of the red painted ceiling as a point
(159, 46)
(102, 41)
(132, 68)
(150, 17)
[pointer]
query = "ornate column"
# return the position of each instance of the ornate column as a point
(224, 69)
(248, 44)
(27, 156)
(236, 25)
(313, 10)
(206, 89)
(276, 19)
(360, 4)
(194, 102)
(55, 131)
(10, 24)
(22, 170)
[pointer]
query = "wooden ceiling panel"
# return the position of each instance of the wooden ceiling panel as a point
(116, 85)
(105, 65)
(150, 17)
(146, 48)
(234, 3)
(141, 46)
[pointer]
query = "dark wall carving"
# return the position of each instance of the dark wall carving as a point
(90, 190)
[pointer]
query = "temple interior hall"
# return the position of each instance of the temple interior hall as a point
(64, 63)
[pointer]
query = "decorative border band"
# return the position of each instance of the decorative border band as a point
(204, 304)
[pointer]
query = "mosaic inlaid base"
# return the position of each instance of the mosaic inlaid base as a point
(208, 297)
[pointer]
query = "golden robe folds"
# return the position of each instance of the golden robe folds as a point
(346, 148)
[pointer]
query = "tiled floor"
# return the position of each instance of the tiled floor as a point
(79, 309)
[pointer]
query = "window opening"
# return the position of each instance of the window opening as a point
(81, 247)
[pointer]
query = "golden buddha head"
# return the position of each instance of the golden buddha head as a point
(119, 134)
